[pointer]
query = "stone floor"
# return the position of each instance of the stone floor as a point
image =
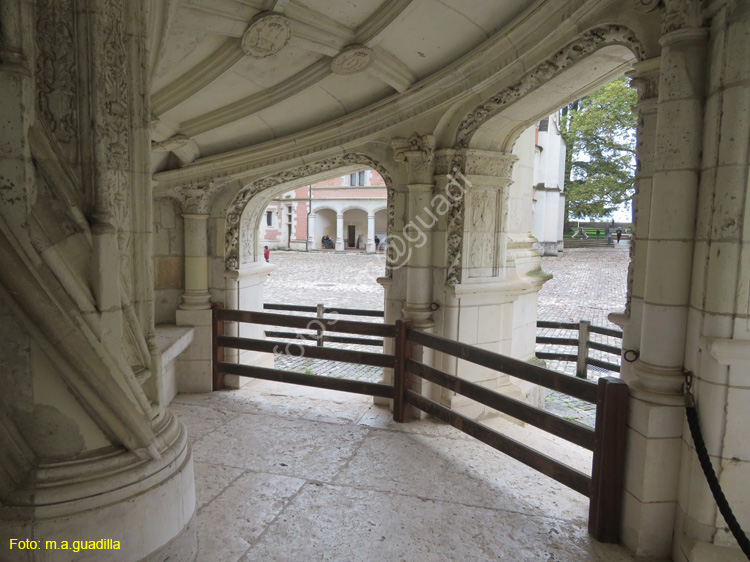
(286, 473)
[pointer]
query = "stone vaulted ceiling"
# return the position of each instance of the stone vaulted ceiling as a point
(229, 74)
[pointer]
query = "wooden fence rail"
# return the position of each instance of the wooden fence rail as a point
(583, 343)
(607, 440)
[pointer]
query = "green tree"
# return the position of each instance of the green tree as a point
(599, 134)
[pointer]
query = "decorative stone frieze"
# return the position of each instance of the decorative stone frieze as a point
(57, 73)
(574, 51)
(234, 213)
(352, 59)
(266, 35)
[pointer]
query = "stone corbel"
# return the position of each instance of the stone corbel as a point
(645, 79)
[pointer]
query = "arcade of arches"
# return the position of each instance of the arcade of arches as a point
(143, 139)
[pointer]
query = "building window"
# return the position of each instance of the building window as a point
(361, 178)
(269, 218)
(352, 179)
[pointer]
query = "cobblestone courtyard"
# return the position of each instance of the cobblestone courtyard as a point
(587, 284)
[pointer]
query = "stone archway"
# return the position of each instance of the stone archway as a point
(239, 245)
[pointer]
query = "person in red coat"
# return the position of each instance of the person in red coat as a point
(266, 253)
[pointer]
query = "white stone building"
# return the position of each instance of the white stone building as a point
(548, 216)
(142, 140)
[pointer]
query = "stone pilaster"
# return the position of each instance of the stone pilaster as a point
(416, 238)
(718, 336)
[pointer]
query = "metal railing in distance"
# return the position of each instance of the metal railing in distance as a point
(583, 343)
(607, 440)
(222, 342)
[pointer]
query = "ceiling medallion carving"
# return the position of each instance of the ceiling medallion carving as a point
(266, 35)
(353, 59)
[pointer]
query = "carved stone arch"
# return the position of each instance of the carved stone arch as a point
(576, 50)
(378, 209)
(246, 194)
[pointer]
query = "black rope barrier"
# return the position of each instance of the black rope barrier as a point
(708, 470)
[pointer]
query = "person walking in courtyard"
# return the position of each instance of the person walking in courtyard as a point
(619, 234)
(266, 253)
(377, 243)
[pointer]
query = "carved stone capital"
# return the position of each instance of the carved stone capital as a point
(414, 150)
(195, 199)
(417, 152)
(490, 164)
(681, 14)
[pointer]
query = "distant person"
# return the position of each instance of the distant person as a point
(597, 234)
(359, 238)
(266, 253)
(608, 234)
(377, 243)
(619, 234)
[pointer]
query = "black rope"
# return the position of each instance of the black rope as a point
(713, 482)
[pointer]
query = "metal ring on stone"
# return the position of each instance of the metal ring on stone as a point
(434, 306)
(630, 355)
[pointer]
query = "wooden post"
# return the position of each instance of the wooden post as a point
(608, 470)
(217, 355)
(583, 349)
(319, 329)
(401, 377)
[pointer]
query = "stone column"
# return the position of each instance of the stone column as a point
(194, 368)
(340, 247)
(663, 263)
(371, 234)
(644, 425)
(196, 296)
(311, 232)
(414, 242)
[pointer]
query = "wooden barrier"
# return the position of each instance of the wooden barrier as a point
(607, 440)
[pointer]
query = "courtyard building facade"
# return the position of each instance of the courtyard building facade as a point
(143, 142)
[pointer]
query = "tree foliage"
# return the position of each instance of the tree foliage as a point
(599, 134)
